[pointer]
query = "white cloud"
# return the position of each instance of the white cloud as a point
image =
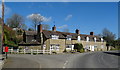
(68, 17)
(39, 17)
(47, 19)
(63, 26)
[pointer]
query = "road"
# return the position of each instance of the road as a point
(78, 60)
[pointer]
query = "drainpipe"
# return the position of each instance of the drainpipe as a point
(49, 45)
(65, 44)
(71, 43)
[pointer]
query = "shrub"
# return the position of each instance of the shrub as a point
(79, 47)
(9, 37)
(82, 50)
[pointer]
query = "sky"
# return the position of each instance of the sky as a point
(61, 0)
(85, 16)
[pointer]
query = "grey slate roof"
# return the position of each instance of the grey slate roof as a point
(62, 35)
(31, 32)
(49, 33)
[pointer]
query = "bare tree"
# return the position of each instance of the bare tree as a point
(108, 35)
(16, 21)
(46, 26)
(24, 26)
(65, 30)
(36, 19)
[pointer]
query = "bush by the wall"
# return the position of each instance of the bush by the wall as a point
(78, 47)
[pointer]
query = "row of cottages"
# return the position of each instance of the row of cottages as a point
(60, 41)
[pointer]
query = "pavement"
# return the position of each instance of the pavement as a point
(107, 59)
(1, 62)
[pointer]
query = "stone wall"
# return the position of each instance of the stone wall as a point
(61, 43)
(91, 43)
(100, 46)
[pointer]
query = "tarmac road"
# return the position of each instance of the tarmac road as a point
(78, 60)
(94, 60)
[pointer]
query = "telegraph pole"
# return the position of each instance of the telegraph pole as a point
(3, 11)
(2, 25)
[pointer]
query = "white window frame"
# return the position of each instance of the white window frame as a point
(54, 47)
(55, 36)
(68, 38)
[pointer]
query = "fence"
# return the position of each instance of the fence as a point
(31, 51)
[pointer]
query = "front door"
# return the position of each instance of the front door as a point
(92, 48)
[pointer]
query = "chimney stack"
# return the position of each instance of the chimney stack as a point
(39, 28)
(54, 28)
(91, 33)
(77, 31)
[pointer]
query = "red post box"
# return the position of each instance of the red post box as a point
(6, 49)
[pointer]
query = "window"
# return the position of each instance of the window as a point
(69, 37)
(95, 39)
(102, 46)
(87, 47)
(54, 47)
(79, 38)
(55, 37)
(87, 39)
(69, 46)
(95, 46)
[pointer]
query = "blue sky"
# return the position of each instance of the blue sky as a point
(85, 16)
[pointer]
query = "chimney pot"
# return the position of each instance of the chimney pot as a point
(54, 28)
(39, 28)
(91, 33)
(77, 31)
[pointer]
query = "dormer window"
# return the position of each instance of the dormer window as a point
(101, 39)
(55, 36)
(87, 39)
(69, 37)
(95, 39)
(79, 38)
